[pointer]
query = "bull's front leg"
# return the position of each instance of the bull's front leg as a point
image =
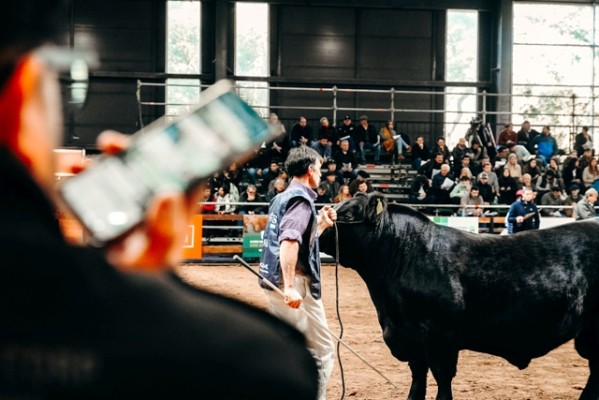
(419, 371)
(442, 359)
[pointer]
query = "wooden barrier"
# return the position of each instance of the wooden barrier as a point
(225, 246)
(493, 221)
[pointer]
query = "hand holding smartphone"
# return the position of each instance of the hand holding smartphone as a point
(111, 197)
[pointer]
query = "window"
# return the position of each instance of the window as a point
(252, 53)
(461, 65)
(183, 55)
(554, 67)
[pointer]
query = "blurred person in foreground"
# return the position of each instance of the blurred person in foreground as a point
(83, 323)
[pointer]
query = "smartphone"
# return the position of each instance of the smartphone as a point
(110, 198)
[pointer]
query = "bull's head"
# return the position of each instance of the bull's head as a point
(357, 222)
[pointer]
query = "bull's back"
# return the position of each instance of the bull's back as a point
(526, 294)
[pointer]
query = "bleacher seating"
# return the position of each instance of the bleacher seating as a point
(393, 181)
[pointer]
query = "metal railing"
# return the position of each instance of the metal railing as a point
(455, 120)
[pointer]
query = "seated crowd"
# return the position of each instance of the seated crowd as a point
(477, 172)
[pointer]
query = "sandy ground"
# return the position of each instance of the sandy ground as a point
(560, 375)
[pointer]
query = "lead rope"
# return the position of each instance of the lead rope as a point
(338, 312)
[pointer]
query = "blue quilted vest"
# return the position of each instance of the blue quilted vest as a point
(270, 267)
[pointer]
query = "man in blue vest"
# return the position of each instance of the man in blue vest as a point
(291, 261)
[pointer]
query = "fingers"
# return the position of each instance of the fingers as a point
(157, 243)
(293, 298)
(112, 142)
(293, 303)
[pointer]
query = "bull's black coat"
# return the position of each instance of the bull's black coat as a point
(438, 290)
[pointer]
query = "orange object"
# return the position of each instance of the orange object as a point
(192, 248)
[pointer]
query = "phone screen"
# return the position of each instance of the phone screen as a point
(110, 198)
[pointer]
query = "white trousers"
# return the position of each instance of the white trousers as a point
(319, 341)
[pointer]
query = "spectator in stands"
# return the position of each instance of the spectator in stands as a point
(420, 153)
(231, 178)
(441, 147)
(523, 214)
(233, 174)
(361, 187)
(465, 171)
(525, 135)
(208, 197)
(590, 173)
(279, 186)
(466, 163)
(514, 167)
(519, 150)
(343, 194)
(532, 168)
(325, 137)
(472, 204)
(573, 197)
(322, 196)
(442, 184)
(545, 145)
(323, 148)
(251, 195)
(79, 323)
(500, 160)
(256, 164)
(333, 167)
(458, 153)
(363, 177)
(571, 171)
(527, 183)
(486, 191)
(367, 138)
(346, 160)
(507, 187)
(460, 190)
(586, 158)
(507, 135)
(301, 133)
(391, 142)
(224, 200)
(270, 174)
(282, 175)
(279, 147)
(493, 180)
(328, 131)
(583, 141)
(553, 198)
(585, 208)
(346, 132)
(331, 184)
(432, 167)
(420, 191)
(554, 166)
(547, 182)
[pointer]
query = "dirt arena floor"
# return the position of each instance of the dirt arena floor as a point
(560, 375)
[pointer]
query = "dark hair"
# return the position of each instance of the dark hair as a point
(299, 159)
(24, 25)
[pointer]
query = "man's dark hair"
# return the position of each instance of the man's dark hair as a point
(299, 159)
(24, 25)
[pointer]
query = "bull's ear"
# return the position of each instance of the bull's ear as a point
(377, 204)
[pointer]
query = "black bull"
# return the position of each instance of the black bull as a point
(438, 290)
